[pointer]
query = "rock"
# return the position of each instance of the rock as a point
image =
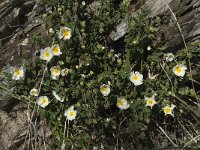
(13, 129)
(14, 14)
(7, 6)
(187, 14)
(19, 19)
(44, 129)
(156, 7)
(22, 20)
(194, 34)
(93, 7)
(14, 121)
(11, 125)
(9, 21)
(189, 21)
(121, 30)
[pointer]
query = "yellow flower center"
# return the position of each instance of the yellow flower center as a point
(46, 54)
(44, 101)
(72, 113)
(104, 89)
(135, 77)
(66, 33)
(56, 70)
(167, 110)
(178, 69)
(17, 72)
(120, 102)
(150, 101)
(56, 50)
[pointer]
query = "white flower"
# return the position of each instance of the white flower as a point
(169, 110)
(56, 50)
(122, 103)
(179, 70)
(83, 3)
(108, 119)
(169, 57)
(83, 75)
(150, 101)
(58, 97)
(126, 2)
(148, 48)
(51, 30)
(55, 72)
(112, 50)
(105, 89)
(43, 101)
(64, 71)
(46, 54)
(34, 92)
(70, 113)
(17, 73)
(59, 9)
(134, 42)
(136, 78)
(65, 33)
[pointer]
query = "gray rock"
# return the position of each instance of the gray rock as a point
(156, 7)
(13, 129)
(93, 7)
(11, 125)
(44, 129)
(121, 30)
(9, 21)
(197, 4)
(14, 14)
(194, 33)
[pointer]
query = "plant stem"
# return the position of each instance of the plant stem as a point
(180, 31)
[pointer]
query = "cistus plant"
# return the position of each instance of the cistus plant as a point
(94, 94)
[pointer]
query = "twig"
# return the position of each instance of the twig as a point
(32, 114)
(45, 69)
(7, 37)
(63, 143)
(194, 81)
(35, 130)
(44, 139)
(27, 134)
(39, 88)
(67, 128)
(117, 143)
(180, 31)
(191, 141)
(181, 100)
(119, 130)
(122, 122)
(167, 136)
(186, 130)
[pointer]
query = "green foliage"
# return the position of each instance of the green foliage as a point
(92, 62)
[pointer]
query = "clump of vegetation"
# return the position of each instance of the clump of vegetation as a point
(97, 95)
